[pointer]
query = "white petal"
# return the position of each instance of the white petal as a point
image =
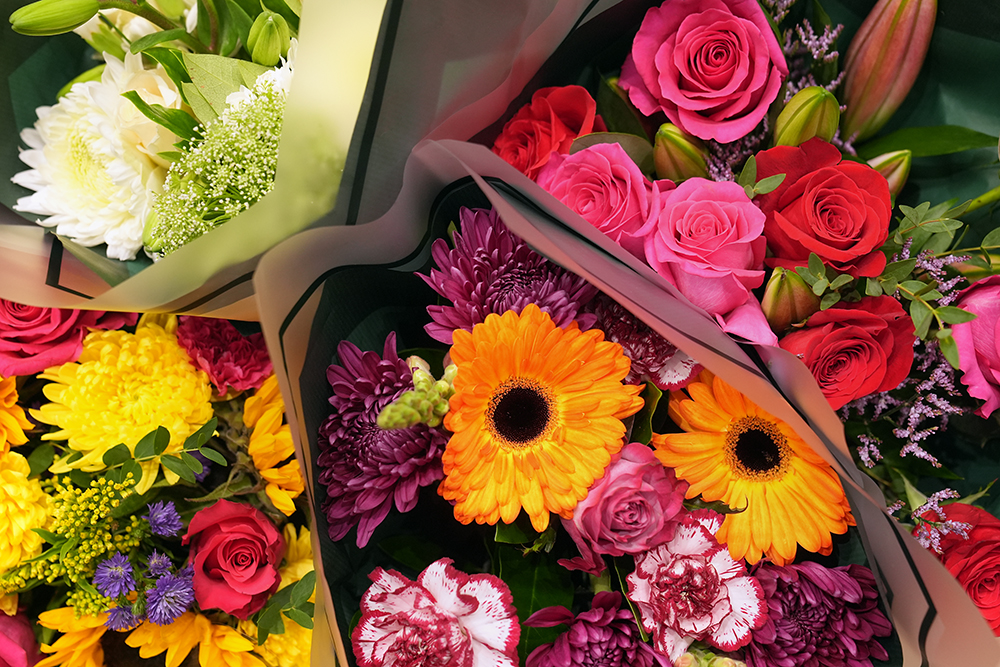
(748, 614)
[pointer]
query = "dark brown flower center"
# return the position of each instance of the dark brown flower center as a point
(519, 413)
(756, 449)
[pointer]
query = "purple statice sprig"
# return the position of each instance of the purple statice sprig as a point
(164, 519)
(930, 532)
(778, 9)
(724, 158)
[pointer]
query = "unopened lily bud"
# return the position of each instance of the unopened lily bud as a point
(895, 166)
(678, 156)
(53, 17)
(269, 39)
(416, 362)
(787, 300)
(883, 61)
(812, 112)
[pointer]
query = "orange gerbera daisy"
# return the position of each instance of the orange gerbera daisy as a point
(735, 452)
(536, 417)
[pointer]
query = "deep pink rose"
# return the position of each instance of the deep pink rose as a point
(18, 646)
(33, 339)
(712, 66)
(631, 509)
(856, 349)
(231, 360)
(979, 343)
(607, 189)
(235, 551)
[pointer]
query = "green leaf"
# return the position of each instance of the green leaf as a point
(519, 532)
(133, 503)
(179, 122)
(889, 286)
(41, 458)
(953, 315)
(241, 21)
(949, 348)
(68, 546)
(816, 266)
(618, 114)
(213, 78)
(143, 43)
(51, 538)
(535, 582)
(172, 62)
(131, 466)
(302, 589)
(198, 439)
(300, 617)
(942, 225)
(748, 177)
(631, 605)
(213, 456)
(913, 496)
(914, 287)
(118, 454)
(152, 444)
(80, 478)
(806, 275)
(642, 425)
(928, 141)
(414, 552)
(820, 286)
(973, 497)
(269, 623)
(637, 148)
(840, 281)
(991, 241)
(922, 314)
(196, 466)
(899, 270)
(873, 288)
(281, 7)
(769, 184)
(829, 299)
(175, 464)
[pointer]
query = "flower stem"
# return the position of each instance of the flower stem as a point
(984, 199)
(213, 24)
(156, 18)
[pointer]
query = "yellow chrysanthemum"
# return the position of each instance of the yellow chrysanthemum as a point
(218, 645)
(271, 443)
(8, 604)
(122, 387)
(536, 417)
(80, 643)
(23, 506)
(13, 421)
(736, 452)
(298, 555)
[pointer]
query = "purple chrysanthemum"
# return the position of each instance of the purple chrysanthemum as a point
(171, 597)
(367, 469)
(491, 270)
(158, 564)
(605, 635)
(121, 619)
(818, 617)
(113, 576)
(653, 357)
(164, 519)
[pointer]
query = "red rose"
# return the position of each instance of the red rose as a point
(975, 562)
(837, 209)
(856, 349)
(235, 551)
(553, 119)
(33, 339)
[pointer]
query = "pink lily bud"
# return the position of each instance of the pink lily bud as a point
(883, 61)
(787, 300)
(895, 166)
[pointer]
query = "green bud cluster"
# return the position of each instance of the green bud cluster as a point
(696, 657)
(87, 603)
(426, 403)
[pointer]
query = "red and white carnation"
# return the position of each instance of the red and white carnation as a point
(445, 617)
(690, 589)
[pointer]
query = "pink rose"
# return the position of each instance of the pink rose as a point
(712, 66)
(607, 189)
(18, 646)
(979, 343)
(629, 510)
(33, 339)
(235, 551)
(706, 241)
(233, 362)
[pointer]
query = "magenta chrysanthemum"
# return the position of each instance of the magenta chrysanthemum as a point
(818, 617)
(604, 635)
(446, 617)
(367, 469)
(491, 270)
(691, 589)
(231, 360)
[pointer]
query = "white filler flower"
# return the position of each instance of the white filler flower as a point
(93, 158)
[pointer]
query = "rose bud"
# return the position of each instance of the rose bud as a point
(52, 17)
(677, 155)
(812, 112)
(787, 300)
(895, 166)
(269, 39)
(883, 61)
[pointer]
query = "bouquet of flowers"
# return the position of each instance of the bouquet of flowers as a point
(172, 130)
(150, 497)
(582, 446)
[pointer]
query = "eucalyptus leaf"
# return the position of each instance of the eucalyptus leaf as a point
(953, 315)
(921, 313)
(873, 288)
(840, 281)
(899, 270)
(769, 184)
(829, 300)
(949, 348)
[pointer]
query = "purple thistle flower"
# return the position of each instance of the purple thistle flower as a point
(604, 635)
(818, 616)
(366, 469)
(158, 564)
(121, 619)
(113, 576)
(491, 270)
(164, 519)
(171, 597)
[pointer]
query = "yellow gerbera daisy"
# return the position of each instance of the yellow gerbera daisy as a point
(736, 452)
(12, 418)
(80, 643)
(122, 387)
(218, 645)
(270, 444)
(536, 417)
(23, 506)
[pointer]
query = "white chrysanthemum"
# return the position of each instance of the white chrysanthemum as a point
(93, 158)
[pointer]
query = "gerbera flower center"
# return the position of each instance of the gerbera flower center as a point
(756, 449)
(520, 412)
